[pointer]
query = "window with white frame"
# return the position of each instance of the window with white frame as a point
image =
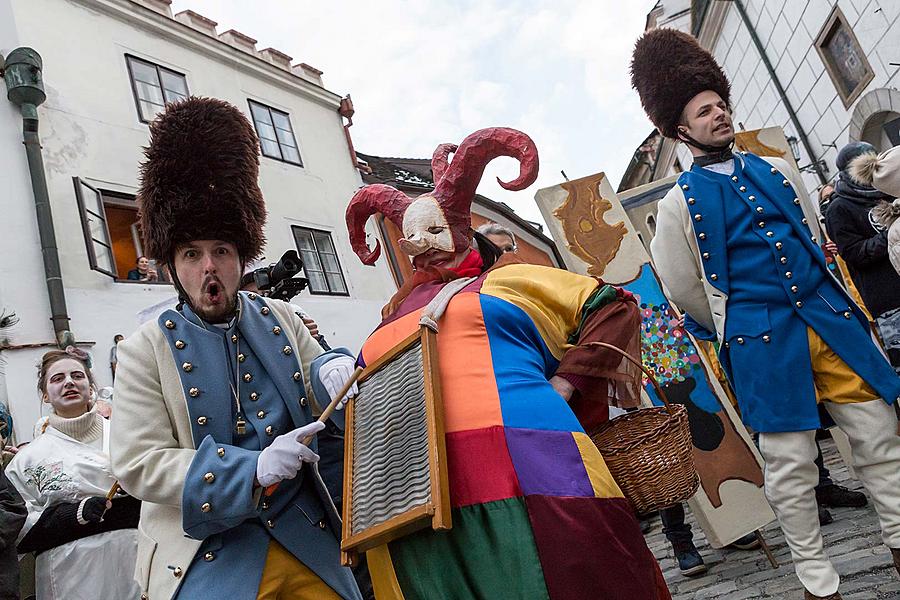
(320, 261)
(154, 87)
(276, 136)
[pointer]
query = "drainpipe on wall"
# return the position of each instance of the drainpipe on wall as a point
(25, 89)
(777, 82)
(346, 111)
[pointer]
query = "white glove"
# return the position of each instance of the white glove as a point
(334, 374)
(286, 454)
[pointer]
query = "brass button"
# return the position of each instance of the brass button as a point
(221, 452)
(740, 340)
(241, 357)
(201, 420)
(144, 597)
(209, 556)
(734, 178)
(170, 324)
(287, 350)
(742, 189)
(812, 237)
(234, 338)
(783, 260)
(276, 330)
(194, 392)
(798, 304)
(265, 506)
(770, 234)
(254, 396)
(177, 571)
(795, 289)
(766, 339)
(261, 414)
(269, 430)
(785, 183)
(751, 198)
(714, 277)
(698, 217)
(778, 245)
(685, 187)
(270, 524)
(303, 401)
(248, 377)
(322, 524)
(760, 209)
(264, 310)
(702, 236)
(847, 314)
(761, 224)
(691, 201)
(252, 295)
(773, 170)
(180, 344)
(187, 367)
(706, 256)
(297, 376)
(804, 220)
(206, 507)
(209, 477)
(788, 274)
(797, 201)
(727, 345)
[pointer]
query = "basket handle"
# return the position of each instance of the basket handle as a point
(640, 365)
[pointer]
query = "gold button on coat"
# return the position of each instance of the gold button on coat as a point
(254, 396)
(773, 170)
(209, 477)
(770, 234)
(785, 183)
(261, 414)
(795, 289)
(194, 392)
(751, 198)
(209, 556)
(691, 201)
(698, 217)
(234, 338)
(797, 201)
(297, 375)
(264, 310)
(303, 402)
(201, 420)
(742, 189)
(702, 236)
(321, 524)
(714, 277)
(252, 295)
(170, 324)
(276, 330)
(760, 209)
(847, 314)
(206, 507)
(788, 274)
(187, 367)
(180, 344)
(740, 340)
(271, 524)
(221, 452)
(766, 339)
(248, 377)
(177, 571)
(269, 430)
(734, 178)
(685, 187)
(778, 245)
(241, 357)
(799, 304)
(287, 350)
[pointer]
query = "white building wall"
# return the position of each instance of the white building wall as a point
(90, 129)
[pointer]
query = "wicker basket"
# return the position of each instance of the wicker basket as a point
(649, 452)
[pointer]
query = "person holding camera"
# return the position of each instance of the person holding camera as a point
(144, 271)
(83, 540)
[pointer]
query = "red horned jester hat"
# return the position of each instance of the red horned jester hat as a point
(442, 218)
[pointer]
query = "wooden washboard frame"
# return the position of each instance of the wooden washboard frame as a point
(436, 510)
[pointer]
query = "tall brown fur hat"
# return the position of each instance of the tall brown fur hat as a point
(668, 68)
(199, 180)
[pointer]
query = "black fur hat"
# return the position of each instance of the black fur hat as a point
(199, 180)
(668, 68)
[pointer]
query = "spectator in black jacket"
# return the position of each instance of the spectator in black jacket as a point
(862, 243)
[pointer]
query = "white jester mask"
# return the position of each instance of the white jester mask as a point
(425, 228)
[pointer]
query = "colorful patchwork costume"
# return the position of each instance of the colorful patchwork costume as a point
(536, 513)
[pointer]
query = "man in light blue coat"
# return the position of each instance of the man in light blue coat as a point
(214, 426)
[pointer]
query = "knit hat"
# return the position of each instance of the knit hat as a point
(851, 151)
(881, 171)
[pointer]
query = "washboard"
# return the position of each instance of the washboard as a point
(395, 469)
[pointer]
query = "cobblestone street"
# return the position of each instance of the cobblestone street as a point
(853, 541)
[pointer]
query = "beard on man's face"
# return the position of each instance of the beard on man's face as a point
(215, 304)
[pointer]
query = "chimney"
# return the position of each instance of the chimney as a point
(308, 73)
(198, 22)
(238, 40)
(163, 7)
(277, 58)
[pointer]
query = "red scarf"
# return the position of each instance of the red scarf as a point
(470, 266)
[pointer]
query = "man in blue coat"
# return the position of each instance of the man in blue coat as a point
(737, 249)
(213, 428)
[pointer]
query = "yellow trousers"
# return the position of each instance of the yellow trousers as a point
(835, 381)
(286, 578)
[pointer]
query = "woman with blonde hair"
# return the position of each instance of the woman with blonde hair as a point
(84, 535)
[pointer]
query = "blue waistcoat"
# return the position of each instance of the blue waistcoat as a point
(252, 359)
(756, 248)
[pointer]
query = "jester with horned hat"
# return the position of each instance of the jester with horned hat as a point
(535, 512)
(736, 248)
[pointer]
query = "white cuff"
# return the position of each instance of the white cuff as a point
(79, 514)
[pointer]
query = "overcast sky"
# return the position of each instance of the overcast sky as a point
(423, 73)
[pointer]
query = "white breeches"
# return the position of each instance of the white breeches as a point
(791, 476)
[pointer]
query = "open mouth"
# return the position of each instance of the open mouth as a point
(722, 127)
(72, 395)
(213, 292)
